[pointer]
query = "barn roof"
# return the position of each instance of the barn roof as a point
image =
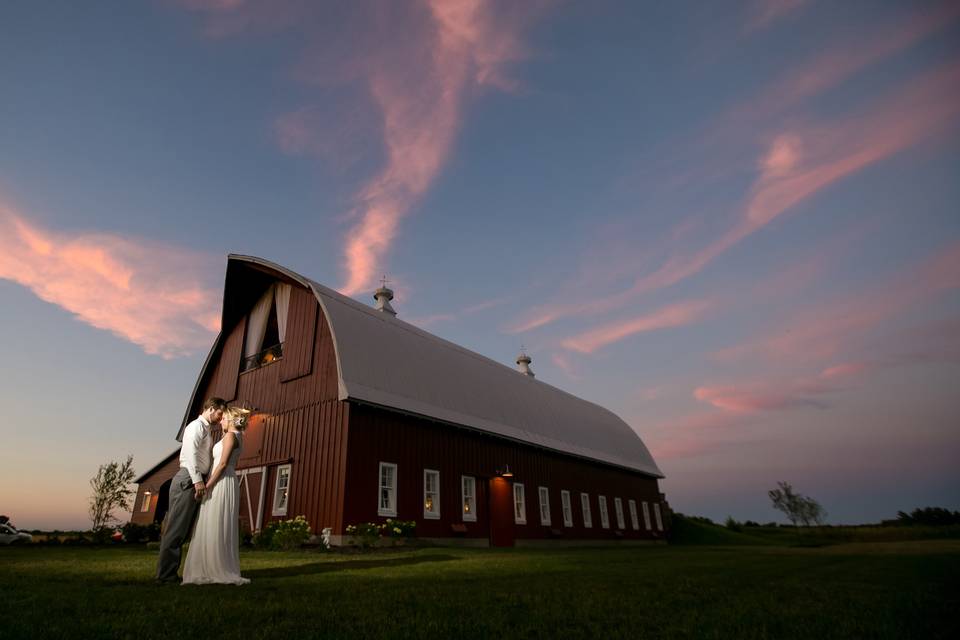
(384, 361)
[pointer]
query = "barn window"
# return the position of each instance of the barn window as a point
(468, 486)
(519, 504)
(633, 515)
(266, 328)
(431, 494)
(656, 514)
(282, 491)
(388, 489)
(544, 506)
(585, 508)
(567, 509)
(618, 509)
(604, 516)
(646, 515)
(145, 505)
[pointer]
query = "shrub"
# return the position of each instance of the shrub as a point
(290, 534)
(365, 534)
(732, 524)
(133, 532)
(263, 539)
(398, 528)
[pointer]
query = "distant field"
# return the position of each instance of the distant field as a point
(868, 590)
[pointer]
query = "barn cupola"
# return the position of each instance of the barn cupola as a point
(383, 296)
(523, 363)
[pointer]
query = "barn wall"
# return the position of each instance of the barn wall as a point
(152, 484)
(299, 421)
(378, 435)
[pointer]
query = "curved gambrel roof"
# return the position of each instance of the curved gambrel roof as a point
(384, 361)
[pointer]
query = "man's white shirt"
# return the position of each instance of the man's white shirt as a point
(195, 454)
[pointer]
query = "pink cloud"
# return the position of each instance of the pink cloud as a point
(148, 294)
(421, 94)
(675, 315)
(563, 362)
(798, 164)
(402, 70)
(821, 332)
(763, 13)
(846, 58)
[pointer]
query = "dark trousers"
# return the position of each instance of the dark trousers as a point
(180, 517)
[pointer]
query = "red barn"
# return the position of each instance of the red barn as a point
(362, 417)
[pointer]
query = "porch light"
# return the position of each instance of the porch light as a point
(506, 473)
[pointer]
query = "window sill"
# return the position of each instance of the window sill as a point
(431, 516)
(469, 518)
(386, 514)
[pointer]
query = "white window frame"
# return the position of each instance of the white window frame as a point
(519, 506)
(277, 508)
(145, 504)
(633, 514)
(646, 515)
(656, 514)
(567, 508)
(544, 494)
(433, 514)
(391, 508)
(585, 510)
(472, 494)
(604, 514)
(618, 510)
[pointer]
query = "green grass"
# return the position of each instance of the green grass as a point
(876, 590)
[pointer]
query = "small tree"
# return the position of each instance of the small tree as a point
(110, 491)
(798, 508)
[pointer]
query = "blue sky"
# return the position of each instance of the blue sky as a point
(735, 225)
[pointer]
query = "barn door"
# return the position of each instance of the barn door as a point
(501, 512)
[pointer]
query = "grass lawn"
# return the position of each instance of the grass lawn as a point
(862, 590)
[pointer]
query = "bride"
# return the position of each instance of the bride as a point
(214, 553)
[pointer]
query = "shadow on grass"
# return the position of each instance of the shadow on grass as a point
(347, 565)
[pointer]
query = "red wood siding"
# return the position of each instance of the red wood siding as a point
(299, 339)
(378, 435)
(152, 484)
(223, 382)
(300, 422)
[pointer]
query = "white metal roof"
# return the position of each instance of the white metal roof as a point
(385, 361)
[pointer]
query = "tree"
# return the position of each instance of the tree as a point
(797, 507)
(110, 491)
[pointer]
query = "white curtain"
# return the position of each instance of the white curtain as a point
(283, 306)
(257, 326)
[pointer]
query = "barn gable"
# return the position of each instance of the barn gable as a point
(386, 362)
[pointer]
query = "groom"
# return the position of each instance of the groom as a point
(187, 487)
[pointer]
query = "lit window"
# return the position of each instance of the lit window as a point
(618, 509)
(633, 514)
(646, 515)
(604, 516)
(656, 514)
(519, 504)
(585, 508)
(145, 505)
(281, 492)
(544, 506)
(388, 489)
(431, 494)
(468, 489)
(567, 509)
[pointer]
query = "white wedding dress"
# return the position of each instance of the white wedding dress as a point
(214, 553)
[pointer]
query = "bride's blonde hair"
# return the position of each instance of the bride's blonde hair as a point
(237, 416)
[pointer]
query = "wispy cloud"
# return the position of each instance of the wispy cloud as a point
(799, 163)
(763, 13)
(151, 295)
(675, 315)
(824, 331)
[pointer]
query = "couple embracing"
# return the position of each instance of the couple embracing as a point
(206, 483)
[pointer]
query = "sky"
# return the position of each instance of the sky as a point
(736, 225)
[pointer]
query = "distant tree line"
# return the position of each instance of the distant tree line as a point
(930, 516)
